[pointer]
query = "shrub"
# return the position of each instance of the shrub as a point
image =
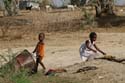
(7, 72)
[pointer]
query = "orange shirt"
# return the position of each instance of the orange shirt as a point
(40, 50)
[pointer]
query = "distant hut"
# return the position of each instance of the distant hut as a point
(1, 5)
(120, 2)
(59, 3)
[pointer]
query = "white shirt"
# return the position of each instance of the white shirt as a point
(84, 51)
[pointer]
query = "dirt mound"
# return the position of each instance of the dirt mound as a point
(96, 71)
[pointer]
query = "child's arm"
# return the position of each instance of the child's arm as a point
(99, 50)
(87, 44)
(35, 48)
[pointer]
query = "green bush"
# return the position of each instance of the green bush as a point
(8, 67)
(88, 19)
(21, 77)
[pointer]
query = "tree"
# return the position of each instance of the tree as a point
(104, 6)
(11, 7)
(75, 2)
(43, 3)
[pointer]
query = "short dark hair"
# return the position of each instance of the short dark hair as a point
(92, 34)
(42, 34)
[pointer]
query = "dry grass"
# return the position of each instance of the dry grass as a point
(37, 21)
(33, 22)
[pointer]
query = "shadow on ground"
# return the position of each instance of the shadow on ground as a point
(114, 21)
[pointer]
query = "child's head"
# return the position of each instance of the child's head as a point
(93, 36)
(41, 36)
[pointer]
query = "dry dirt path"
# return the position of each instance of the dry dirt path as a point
(63, 50)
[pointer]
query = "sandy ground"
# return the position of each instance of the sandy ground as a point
(63, 51)
(66, 47)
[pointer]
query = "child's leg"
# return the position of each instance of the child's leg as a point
(41, 63)
(36, 65)
(84, 59)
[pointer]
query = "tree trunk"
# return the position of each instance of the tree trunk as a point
(104, 6)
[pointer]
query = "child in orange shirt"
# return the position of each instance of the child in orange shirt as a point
(39, 50)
